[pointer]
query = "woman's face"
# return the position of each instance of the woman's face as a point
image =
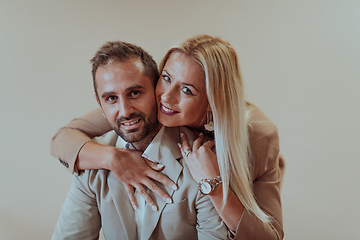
(181, 93)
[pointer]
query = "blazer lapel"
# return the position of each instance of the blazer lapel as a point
(123, 206)
(169, 154)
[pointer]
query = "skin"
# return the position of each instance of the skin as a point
(126, 97)
(181, 94)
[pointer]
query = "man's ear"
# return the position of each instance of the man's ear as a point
(97, 99)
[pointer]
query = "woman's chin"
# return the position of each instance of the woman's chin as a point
(164, 120)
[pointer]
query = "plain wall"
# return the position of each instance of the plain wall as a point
(300, 61)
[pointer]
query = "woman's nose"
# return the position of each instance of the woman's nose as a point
(170, 95)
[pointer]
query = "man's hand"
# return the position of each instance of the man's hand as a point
(134, 171)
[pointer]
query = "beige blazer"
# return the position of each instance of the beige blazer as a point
(267, 166)
(97, 199)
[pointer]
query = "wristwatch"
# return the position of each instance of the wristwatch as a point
(206, 186)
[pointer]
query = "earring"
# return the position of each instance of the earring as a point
(210, 123)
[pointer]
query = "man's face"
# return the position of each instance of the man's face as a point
(127, 99)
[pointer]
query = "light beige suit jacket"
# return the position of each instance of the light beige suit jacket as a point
(267, 166)
(97, 199)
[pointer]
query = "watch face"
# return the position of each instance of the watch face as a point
(205, 188)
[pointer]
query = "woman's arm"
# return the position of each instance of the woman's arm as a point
(202, 163)
(69, 140)
(73, 146)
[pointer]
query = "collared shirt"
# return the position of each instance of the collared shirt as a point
(152, 153)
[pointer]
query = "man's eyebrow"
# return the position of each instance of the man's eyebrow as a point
(134, 87)
(106, 94)
(137, 86)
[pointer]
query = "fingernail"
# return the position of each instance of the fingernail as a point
(168, 200)
(200, 134)
(179, 145)
(181, 134)
(154, 208)
(174, 187)
(160, 165)
(134, 206)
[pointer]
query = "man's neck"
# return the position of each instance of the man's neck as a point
(143, 144)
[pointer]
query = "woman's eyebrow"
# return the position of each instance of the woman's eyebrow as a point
(167, 73)
(184, 83)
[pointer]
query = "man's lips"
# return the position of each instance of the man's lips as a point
(166, 110)
(131, 123)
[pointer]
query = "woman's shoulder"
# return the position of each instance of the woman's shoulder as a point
(264, 142)
(259, 125)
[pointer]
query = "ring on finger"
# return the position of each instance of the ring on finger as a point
(187, 152)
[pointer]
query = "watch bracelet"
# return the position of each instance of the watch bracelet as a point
(215, 181)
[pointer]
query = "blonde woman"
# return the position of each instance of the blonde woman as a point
(201, 87)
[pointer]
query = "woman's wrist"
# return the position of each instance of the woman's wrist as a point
(95, 156)
(111, 157)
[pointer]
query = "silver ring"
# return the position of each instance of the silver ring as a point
(187, 152)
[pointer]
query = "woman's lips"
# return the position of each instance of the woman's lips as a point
(167, 111)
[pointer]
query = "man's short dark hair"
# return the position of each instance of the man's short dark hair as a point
(122, 52)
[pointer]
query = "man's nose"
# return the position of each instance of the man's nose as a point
(125, 108)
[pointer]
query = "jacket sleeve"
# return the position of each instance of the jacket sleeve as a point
(209, 223)
(267, 179)
(68, 140)
(80, 217)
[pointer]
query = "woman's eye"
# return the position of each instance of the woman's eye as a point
(187, 91)
(166, 78)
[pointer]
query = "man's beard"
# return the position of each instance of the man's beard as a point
(136, 135)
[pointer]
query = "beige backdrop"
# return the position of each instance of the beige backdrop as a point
(300, 61)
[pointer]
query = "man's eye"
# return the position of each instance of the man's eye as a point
(187, 91)
(135, 93)
(112, 98)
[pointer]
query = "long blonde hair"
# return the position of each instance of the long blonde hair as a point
(225, 93)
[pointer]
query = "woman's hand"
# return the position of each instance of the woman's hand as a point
(135, 172)
(202, 161)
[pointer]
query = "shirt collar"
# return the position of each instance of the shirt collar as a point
(152, 152)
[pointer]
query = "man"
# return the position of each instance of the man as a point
(124, 83)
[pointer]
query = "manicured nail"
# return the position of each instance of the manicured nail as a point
(160, 165)
(135, 208)
(154, 208)
(168, 200)
(174, 187)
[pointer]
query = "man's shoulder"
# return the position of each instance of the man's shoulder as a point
(91, 179)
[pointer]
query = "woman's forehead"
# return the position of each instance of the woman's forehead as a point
(182, 67)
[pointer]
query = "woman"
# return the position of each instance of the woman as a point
(201, 87)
